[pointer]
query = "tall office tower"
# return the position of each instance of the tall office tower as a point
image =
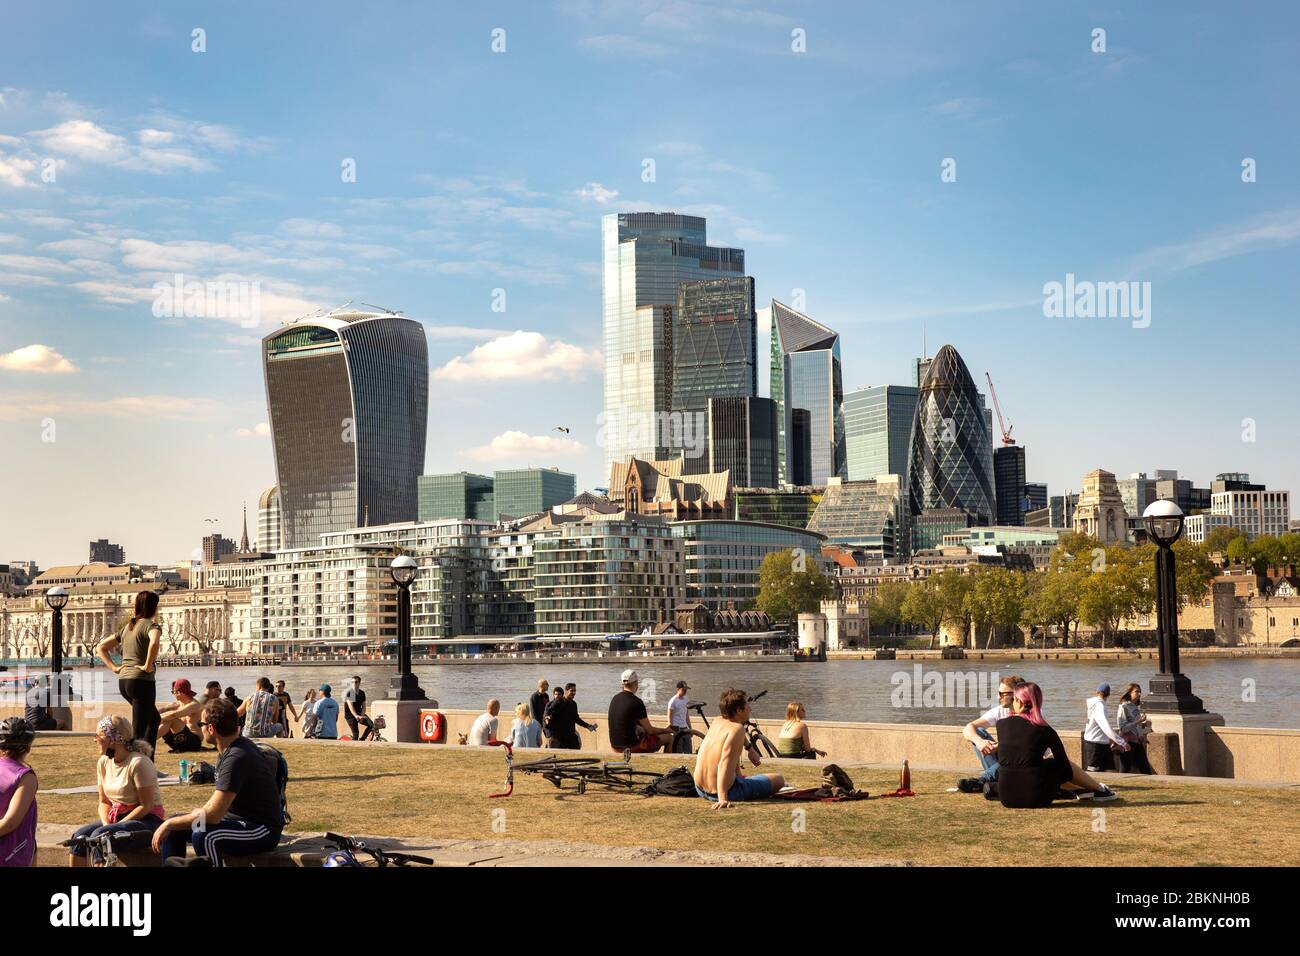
(268, 520)
(952, 461)
(460, 495)
(107, 552)
(347, 393)
(713, 357)
(1062, 509)
(742, 440)
(805, 373)
(878, 431)
(528, 491)
(215, 547)
(1138, 491)
(1035, 496)
(799, 447)
(646, 257)
(920, 368)
(1009, 483)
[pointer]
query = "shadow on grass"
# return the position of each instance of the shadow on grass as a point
(360, 778)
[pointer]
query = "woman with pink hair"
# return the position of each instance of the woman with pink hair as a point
(1028, 777)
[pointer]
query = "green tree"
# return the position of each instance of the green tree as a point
(785, 592)
(1114, 590)
(953, 587)
(1290, 548)
(1267, 553)
(885, 607)
(1219, 538)
(1239, 551)
(1194, 570)
(996, 598)
(922, 607)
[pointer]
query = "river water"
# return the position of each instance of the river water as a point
(1248, 692)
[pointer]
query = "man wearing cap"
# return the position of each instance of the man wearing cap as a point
(179, 722)
(629, 726)
(1098, 738)
(326, 710)
(679, 715)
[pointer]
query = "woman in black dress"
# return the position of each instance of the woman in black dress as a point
(1026, 777)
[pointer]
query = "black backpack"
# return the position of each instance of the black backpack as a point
(677, 782)
(280, 769)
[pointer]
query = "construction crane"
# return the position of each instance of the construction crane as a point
(1006, 429)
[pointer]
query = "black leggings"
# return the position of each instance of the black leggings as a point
(141, 694)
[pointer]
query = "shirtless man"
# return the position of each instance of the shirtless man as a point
(717, 767)
(179, 722)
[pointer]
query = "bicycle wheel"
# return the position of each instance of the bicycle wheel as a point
(556, 763)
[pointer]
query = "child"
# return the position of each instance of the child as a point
(17, 794)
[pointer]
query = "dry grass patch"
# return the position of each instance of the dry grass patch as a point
(442, 792)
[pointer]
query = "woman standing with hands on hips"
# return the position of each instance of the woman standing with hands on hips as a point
(139, 638)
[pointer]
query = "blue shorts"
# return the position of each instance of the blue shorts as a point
(757, 787)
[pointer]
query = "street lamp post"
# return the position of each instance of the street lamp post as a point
(1171, 690)
(57, 599)
(404, 685)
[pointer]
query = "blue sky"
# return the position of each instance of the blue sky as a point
(478, 171)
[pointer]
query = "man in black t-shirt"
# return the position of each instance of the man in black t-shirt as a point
(537, 706)
(243, 816)
(563, 719)
(629, 726)
(354, 710)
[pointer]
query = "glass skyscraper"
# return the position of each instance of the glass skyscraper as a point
(646, 256)
(1009, 478)
(878, 430)
(459, 495)
(952, 450)
(347, 397)
(805, 373)
(713, 347)
(742, 440)
(528, 491)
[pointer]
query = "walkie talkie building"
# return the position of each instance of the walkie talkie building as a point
(347, 393)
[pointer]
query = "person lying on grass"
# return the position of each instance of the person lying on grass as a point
(717, 767)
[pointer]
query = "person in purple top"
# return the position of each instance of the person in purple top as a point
(17, 794)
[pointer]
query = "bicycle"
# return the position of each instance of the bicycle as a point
(754, 737)
(99, 847)
(584, 772)
(346, 850)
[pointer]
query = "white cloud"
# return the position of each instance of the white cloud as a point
(516, 445)
(1253, 235)
(167, 407)
(14, 170)
(522, 356)
(84, 140)
(36, 358)
(597, 193)
(260, 430)
(155, 137)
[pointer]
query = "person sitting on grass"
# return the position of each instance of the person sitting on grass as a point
(260, 708)
(794, 740)
(629, 725)
(130, 807)
(179, 722)
(18, 787)
(484, 727)
(1027, 778)
(977, 732)
(243, 815)
(717, 766)
(524, 731)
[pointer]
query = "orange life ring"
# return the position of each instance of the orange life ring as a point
(433, 726)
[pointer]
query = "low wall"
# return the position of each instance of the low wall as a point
(1242, 753)
(1253, 753)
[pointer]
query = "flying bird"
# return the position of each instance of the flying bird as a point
(560, 428)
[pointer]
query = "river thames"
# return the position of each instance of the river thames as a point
(1259, 692)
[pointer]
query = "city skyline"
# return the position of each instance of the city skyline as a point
(164, 168)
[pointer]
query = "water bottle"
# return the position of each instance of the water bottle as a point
(185, 771)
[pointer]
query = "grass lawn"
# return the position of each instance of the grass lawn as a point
(441, 792)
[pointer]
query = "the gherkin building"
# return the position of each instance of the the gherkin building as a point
(952, 450)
